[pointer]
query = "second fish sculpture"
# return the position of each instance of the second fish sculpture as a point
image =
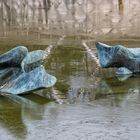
(127, 60)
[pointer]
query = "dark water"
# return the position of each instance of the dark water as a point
(85, 104)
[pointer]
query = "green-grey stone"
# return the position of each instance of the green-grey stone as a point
(36, 79)
(119, 56)
(13, 57)
(32, 60)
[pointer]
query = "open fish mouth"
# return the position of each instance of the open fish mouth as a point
(104, 54)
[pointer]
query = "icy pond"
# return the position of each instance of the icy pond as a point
(86, 103)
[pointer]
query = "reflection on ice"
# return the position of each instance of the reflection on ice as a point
(16, 109)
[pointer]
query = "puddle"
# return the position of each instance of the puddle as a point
(94, 103)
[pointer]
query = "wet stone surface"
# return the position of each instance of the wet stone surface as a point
(94, 104)
(127, 59)
(22, 71)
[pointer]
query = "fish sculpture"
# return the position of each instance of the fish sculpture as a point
(22, 71)
(127, 60)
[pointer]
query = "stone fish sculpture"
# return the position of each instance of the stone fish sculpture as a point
(127, 60)
(22, 71)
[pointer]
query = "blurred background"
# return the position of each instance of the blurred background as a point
(37, 19)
